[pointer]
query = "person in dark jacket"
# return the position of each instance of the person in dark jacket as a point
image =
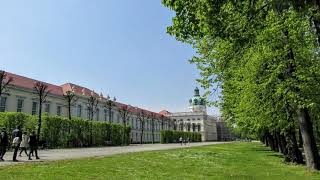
(16, 136)
(33, 144)
(3, 143)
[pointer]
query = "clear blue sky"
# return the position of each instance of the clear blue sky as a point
(119, 47)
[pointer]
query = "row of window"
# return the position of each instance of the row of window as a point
(193, 119)
(188, 127)
(79, 112)
(34, 110)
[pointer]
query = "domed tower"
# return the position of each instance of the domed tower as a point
(197, 103)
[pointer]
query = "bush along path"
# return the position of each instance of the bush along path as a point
(60, 132)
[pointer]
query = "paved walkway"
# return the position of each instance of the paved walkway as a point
(63, 154)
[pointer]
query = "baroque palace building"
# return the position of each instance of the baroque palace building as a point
(196, 120)
(22, 98)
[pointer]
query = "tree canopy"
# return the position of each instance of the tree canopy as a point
(264, 56)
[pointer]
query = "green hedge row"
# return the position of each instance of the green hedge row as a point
(173, 136)
(60, 132)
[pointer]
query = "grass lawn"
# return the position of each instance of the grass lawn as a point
(226, 161)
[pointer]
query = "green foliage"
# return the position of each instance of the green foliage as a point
(168, 136)
(246, 48)
(60, 132)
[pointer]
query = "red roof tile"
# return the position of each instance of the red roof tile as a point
(28, 83)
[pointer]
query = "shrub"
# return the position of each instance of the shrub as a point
(60, 132)
(173, 136)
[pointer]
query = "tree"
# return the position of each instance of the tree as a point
(92, 106)
(71, 99)
(163, 119)
(152, 117)
(110, 104)
(4, 83)
(142, 117)
(125, 111)
(41, 91)
(264, 57)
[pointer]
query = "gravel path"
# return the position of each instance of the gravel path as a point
(63, 154)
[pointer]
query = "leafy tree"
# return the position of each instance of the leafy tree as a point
(41, 91)
(142, 117)
(92, 107)
(264, 57)
(152, 117)
(125, 111)
(110, 104)
(71, 98)
(5, 81)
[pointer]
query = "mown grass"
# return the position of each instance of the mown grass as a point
(226, 161)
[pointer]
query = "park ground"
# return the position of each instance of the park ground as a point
(220, 161)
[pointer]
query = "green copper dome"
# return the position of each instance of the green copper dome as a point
(197, 99)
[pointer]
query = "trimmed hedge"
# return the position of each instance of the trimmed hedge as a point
(60, 132)
(173, 136)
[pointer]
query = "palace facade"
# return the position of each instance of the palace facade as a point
(22, 98)
(196, 120)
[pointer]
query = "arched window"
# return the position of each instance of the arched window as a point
(193, 127)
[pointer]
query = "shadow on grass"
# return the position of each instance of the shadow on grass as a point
(277, 155)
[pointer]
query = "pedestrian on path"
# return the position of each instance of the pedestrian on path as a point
(24, 144)
(3, 143)
(17, 136)
(33, 143)
(180, 140)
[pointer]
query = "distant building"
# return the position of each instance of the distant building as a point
(197, 120)
(23, 99)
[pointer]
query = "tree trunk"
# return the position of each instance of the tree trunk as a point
(110, 115)
(309, 143)
(141, 137)
(69, 110)
(294, 154)
(280, 147)
(276, 143)
(283, 144)
(39, 121)
(270, 141)
(266, 140)
(300, 144)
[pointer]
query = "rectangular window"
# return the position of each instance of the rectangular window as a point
(3, 104)
(47, 108)
(105, 115)
(98, 114)
(34, 108)
(59, 109)
(19, 105)
(88, 113)
(79, 111)
(112, 115)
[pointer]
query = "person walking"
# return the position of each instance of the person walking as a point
(33, 144)
(180, 140)
(3, 143)
(24, 144)
(17, 136)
